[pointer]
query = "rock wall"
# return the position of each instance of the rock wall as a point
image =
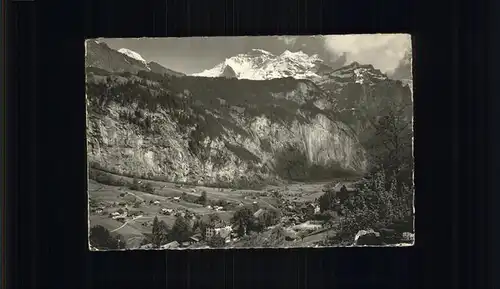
(126, 148)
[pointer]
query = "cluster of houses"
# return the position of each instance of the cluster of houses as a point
(215, 208)
(185, 213)
(120, 217)
(216, 228)
(297, 207)
(221, 229)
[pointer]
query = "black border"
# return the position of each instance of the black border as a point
(47, 240)
(19, 219)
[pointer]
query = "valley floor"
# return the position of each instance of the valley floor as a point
(130, 213)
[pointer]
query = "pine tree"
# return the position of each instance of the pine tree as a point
(181, 229)
(159, 234)
(203, 198)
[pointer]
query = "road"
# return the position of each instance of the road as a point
(124, 224)
(141, 199)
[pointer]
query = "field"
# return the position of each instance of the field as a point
(142, 207)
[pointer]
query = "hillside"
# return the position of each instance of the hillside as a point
(357, 92)
(215, 130)
(226, 128)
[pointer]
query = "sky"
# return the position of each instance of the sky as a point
(195, 54)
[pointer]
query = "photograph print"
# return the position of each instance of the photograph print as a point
(249, 142)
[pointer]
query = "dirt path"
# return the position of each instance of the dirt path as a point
(124, 224)
(130, 193)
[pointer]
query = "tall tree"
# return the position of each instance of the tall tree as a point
(390, 144)
(101, 238)
(327, 201)
(270, 217)
(181, 230)
(243, 219)
(159, 233)
(203, 198)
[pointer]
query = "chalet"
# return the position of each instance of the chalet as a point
(408, 237)
(219, 223)
(146, 246)
(114, 214)
(177, 199)
(195, 238)
(290, 235)
(224, 232)
(170, 245)
(209, 232)
(166, 211)
(156, 202)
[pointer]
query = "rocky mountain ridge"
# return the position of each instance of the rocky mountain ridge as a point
(204, 130)
(100, 55)
(226, 129)
(259, 64)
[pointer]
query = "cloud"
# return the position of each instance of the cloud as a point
(383, 51)
(289, 40)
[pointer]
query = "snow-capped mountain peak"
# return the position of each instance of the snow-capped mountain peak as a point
(354, 72)
(259, 64)
(132, 54)
(261, 51)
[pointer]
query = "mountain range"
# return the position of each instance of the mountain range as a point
(256, 117)
(100, 55)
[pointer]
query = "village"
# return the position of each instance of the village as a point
(210, 213)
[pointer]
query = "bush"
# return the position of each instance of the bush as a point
(273, 239)
(203, 199)
(148, 188)
(135, 185)
(270, 218)
(216, 241)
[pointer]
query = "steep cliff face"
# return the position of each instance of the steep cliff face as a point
(361, 94)
(356, 92)
(213, 130)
